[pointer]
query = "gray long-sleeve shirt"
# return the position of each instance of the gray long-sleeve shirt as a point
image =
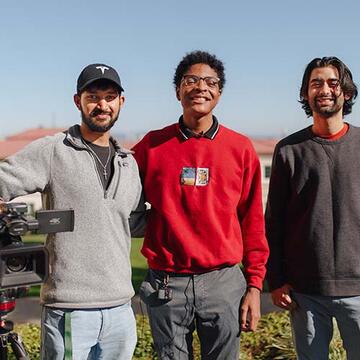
(89, 267)
(313, 214)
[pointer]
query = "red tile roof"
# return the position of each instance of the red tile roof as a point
(33, 134)
(264, 146)
(8, 148)
(14, 143)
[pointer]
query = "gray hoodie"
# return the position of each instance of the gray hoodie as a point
(89, 267)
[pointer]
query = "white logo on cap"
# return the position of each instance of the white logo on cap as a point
(102, 68)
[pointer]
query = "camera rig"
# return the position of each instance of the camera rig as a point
(21, 264)
(27, 264)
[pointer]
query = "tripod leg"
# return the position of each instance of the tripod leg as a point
(17, 346)
(3, 347)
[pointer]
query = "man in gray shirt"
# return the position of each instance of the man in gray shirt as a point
(89, 284)
(313, 216)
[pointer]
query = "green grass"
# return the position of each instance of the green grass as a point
(138, 262)
(33, 238)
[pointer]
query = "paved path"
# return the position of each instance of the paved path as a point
(28, 309)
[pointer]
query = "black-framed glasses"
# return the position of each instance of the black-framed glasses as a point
(192, 80)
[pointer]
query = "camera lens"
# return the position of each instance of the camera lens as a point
(16, 263)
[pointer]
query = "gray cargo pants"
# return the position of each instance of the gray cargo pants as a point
(208, 302)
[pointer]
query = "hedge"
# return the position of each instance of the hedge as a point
(272, 341)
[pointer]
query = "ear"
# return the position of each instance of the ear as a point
(347, 96)
(77, 101)
(178, 93)
(121, 100)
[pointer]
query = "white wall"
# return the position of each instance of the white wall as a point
(265, 161)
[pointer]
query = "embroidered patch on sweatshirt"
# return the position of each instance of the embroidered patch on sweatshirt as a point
(194, 176)
(202, 176)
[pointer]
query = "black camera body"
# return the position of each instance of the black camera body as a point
(27, 264)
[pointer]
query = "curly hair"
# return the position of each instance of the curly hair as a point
(345, 77)
(199, 57)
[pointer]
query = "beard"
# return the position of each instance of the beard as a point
(95, 126)
(327, 110)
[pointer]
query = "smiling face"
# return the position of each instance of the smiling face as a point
(198, 99)
(99, 108)
(325, 95)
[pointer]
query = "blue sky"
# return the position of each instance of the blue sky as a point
(265, 46)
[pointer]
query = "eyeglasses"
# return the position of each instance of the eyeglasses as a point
(192, 80)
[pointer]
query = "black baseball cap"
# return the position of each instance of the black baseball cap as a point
(95, 72)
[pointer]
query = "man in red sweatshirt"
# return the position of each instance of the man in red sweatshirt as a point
(203, 182)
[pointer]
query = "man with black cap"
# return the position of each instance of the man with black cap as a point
(87, 293)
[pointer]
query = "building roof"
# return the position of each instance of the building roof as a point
(264, 146)
(33, 134)
(16, 142)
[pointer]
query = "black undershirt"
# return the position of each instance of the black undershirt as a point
(103, 152)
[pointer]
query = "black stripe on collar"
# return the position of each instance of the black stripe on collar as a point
(188, 133)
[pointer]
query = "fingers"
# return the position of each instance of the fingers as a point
(283, 300)
(250, 309)
(245, 323)
(254, 320)
(282, 304)
(249, 319)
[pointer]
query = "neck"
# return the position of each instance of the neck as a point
(327, 126)
(97, 138)
(198, 124)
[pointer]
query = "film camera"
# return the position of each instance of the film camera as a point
(26, 264)
(23, 264)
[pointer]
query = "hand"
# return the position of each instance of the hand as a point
(281, 297)
(250, 310)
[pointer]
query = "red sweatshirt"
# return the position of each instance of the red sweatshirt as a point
(205, 196)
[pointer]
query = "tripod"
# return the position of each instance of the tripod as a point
(7, 336)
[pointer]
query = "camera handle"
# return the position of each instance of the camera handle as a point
(7, 336)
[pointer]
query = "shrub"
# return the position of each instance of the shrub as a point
(30, 335)
(272, 341)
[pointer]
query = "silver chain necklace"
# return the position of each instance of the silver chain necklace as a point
(98, 159)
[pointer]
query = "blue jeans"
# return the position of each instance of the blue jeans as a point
(108, 333)
(312, 325)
